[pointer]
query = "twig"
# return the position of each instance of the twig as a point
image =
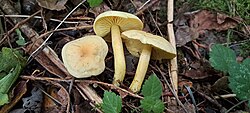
(144, 5)
(85, 97)
(236, 105)
(173, 67)
(86, 81)
(139, 12)
(38, 17)
(225, 96)
(44, 42)
(155, 23)
(222, 109)
(17, 25)
(172, 90)
(58, 30)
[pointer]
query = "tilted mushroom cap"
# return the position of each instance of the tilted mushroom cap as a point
(124, 20)
(161, 48)
(85, 56)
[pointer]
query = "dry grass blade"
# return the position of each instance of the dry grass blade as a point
(173, 67)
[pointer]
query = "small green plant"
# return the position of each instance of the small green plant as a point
(21, 40)
(11, 64)
(151, 103)
(151, 90)
(112, 103)
(224, 59)
(94, 3)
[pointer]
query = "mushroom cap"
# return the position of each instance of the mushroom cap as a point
(85, 56)
(161, 48)
(124, 20)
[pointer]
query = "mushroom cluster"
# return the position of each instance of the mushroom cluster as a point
(110, 24)
(85, 56)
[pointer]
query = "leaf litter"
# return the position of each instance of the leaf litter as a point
(195, 32)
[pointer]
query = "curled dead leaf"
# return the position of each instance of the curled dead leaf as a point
(52, 4)
(193, 24)
(208, 20)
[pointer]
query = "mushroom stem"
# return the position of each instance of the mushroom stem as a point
(141, 69)
(119, 58)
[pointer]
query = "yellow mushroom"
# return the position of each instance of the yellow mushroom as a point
(146, 46)
(110, 24)
(84, 57)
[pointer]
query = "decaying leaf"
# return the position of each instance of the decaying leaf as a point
(197, 71)
(60, 95)
(34, 102)
(100, 9)
(52, 4)
(220, 84)
(17, 93)
(185, 34)
(208, 20)
(193, 24)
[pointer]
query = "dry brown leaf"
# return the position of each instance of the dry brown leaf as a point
(196, 74)
(52, 4)
(46, 62)
(100, 9)
(220, 84)
(50, 105)
(185, 34)
(208, 20)
(197, 23)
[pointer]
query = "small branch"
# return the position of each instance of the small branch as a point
(146, 7)
(37, 17)
(44, 42)
(85, 81)
(18, 25)
(225, 96)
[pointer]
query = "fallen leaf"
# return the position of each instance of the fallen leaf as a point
(193, 24)
(198, 70)
(52, 4)
(44, 60)
(19, 90)
(34, 102)
(50, 105)
(208, 20)
(185, 34)
(100, 9)
(220, 84)
(196, 74)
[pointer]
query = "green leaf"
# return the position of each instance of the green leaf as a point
(152, 87)
(11, 64)
(3, 99)
(112, 103)
(9, 58)
(94, 3)
(21, 40)
(222, 57)
(150, 104)
(7, 81)
(240, 79)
